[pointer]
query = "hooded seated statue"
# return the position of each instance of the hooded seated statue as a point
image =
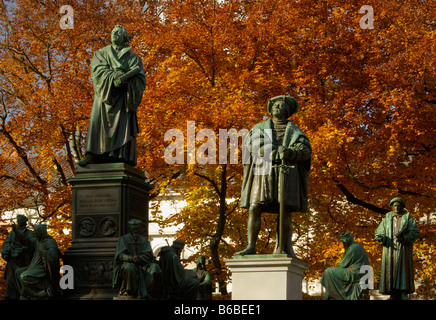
(343, 282)
(178, 283)
(40, 280)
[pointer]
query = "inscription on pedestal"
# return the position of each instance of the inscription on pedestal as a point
(98, 201)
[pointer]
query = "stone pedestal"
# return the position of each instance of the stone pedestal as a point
(105, 197)
(266, 277)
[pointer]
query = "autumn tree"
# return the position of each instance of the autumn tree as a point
(45, 99)
(367, 103)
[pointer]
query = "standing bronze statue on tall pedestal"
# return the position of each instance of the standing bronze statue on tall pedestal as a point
(119, 82)
(277, 174)
(107, 191)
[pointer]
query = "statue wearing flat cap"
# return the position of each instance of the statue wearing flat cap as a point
(277, 162)
(397, 232)
(136, 271)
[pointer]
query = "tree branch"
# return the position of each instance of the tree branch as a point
(351, 198)
(213, 183)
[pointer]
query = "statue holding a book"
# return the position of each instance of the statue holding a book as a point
(119, 82)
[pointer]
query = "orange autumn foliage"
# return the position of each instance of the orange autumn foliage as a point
(367, 102)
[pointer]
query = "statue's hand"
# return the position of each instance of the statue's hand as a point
(379, 239)
(136, 260)
(274, 155)
(283, 152)
(126, 258)
(117, 83)
(118, 74)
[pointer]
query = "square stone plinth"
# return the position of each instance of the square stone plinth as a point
(267, 277)
(104, 198)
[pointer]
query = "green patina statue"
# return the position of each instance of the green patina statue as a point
(204, 278)
(178, 283)
(40, 280)
(136, 272)
(17, 254)
(343, 281)
(277, 162)
(397, 232)
(119, 82)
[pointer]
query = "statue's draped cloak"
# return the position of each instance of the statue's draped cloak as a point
(342, 282)
(176, 280)
(397, 271)
(18, 255)
(42, 274)
(113, 124)
(264, 188)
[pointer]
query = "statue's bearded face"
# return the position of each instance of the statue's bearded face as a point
(135, 231)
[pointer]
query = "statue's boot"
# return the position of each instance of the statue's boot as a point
(249, 250)
(289, 251)
(87, 160)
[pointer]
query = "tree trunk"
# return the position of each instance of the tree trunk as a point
(214, 244)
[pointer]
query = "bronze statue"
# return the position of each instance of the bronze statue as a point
(276, 176)
(17, 255)
(342, 282)
(204, 278)
(119, 82)
(397, 232)
(40, 280)
(135, 271)
(178, 283)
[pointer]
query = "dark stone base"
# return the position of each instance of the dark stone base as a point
(105, 197)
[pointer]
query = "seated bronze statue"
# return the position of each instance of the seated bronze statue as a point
(136, 272)
(343, 282)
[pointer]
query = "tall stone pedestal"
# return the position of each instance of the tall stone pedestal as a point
(105, 197)
(267, 277)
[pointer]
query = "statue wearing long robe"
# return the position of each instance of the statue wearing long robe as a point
(343, 281)
(204, 278)
(17, 255)
(41, 278)
(135, 272)
(113, 124)
(177, 282)
(397, 233)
